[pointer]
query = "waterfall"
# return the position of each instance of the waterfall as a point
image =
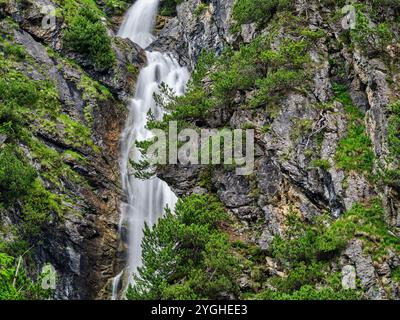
(145, 199)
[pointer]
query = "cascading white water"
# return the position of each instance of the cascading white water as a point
(146, 199)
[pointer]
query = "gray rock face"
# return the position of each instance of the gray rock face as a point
(265, 240)
(119, 79)
(365, 270)
(33, 14)
(233, 190)
(170, 37)
(181, 179)
(248, 32)
(3, 138)
(373, 75)
(269, 179)
(192, 31)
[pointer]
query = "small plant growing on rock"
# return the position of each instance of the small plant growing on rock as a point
(87, 36)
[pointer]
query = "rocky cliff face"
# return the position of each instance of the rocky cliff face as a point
(196, 27)
(299, 136)
(74, 149)
(323, 144)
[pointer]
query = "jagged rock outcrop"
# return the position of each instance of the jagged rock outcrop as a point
(37, 18)
(198, 25)
(83, 138)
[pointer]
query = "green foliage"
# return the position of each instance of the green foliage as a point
(18, 286)
(15, 50)
(142, 169)
(306, 250)
(76, 134)
(15, 88)
(362, 30)
(23, 101)
(396, 274)
(257, 66)
(37, 207)
(195, 103)
(117, 6)
(365, 33)
(87, 35)
(186, 256)
(205, 177)
(200, 8)
(321, 163)
(19, 182)
(354, 151)
(367, 221)
(306, 243)
(132, 69)
(391, 174)
(308, 292)
(259, 11)
(168, 7)
(16, 176)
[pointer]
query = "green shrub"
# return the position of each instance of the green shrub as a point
(308, 292)
(195, 103)
(354, 151)
(19, 182)
(392, 172)
(18, 89)
(18, 97)
(24, 101)
(259, 11)
(17, 286)
(200, 8)
(168, 7)
(307, 243)
(87, 35)
(15, 50)
(186, 256)
(321, 163)
(364, 32)
(117, 6)
(16, 176)
(37, 207)
(306, 250)
(274, 83)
